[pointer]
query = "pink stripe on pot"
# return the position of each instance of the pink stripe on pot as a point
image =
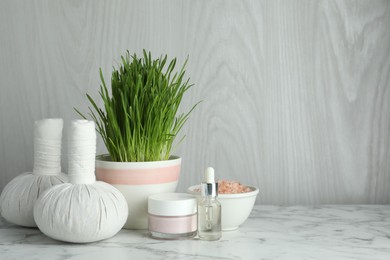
(138, 176)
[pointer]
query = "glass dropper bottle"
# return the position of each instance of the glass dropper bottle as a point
(209, 208)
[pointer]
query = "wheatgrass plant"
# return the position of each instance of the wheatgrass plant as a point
(139, 121)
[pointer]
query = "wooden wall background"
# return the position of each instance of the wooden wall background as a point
(296, 94)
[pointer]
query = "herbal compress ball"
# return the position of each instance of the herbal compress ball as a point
(84, 210)
(19, 195)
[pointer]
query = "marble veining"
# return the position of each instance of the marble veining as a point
(271, 232)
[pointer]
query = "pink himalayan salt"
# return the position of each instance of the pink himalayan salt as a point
(231, 187)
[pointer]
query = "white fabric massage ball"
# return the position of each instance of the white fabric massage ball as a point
(19, 195)
(84, 210)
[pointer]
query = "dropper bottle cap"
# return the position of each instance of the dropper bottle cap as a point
(208, 186)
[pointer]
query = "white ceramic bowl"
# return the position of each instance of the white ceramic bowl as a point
(235, 207)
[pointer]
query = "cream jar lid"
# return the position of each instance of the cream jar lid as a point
(172, 204)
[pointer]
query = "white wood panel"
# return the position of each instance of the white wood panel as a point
(296, 96)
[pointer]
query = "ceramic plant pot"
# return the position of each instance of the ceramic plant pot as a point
(137, 181)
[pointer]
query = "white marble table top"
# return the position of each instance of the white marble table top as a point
(271, 232)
